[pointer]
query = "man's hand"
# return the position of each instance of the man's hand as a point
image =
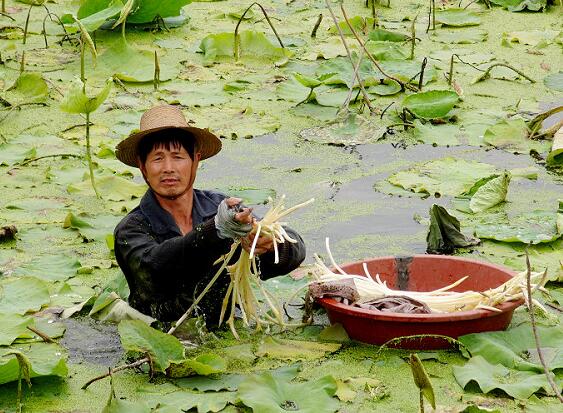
(264, 244)
(243, 215)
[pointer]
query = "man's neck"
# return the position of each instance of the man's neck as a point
(180, 208)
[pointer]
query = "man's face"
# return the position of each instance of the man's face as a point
(169, 171)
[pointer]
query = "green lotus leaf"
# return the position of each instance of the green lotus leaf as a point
(76, 101)
(442, 135)
(447, 176)
(444, 232)
(50, 267)
(46, 326)
(517, 384)
(485, 194)
(265, 394)
(250, 196)
(139, 337)
(132, 65)
(432, 104)
(468, 36)
(307, 81)
(202, 365)
(519, 5)
(93, 17)
(555, 156)
(554, 81)
(382, 35)
(45, 360)
(228, 382)
(195, 94)
(334, 333)
(253, 45)
(531, 228)
(408, 71)
(182, 401)
(386, 50)
(359, 23)
(386, 87)
(534, 37)
(457, 17)
(72, 298)
(13, 327)
(145, 11)
(23, 294)
(294, 349)
(112, 188)
(29, 87)
(92, 228)
(513, 135)
(13, 153)
(341, 72)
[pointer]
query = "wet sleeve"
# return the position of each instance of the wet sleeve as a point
(291, 255)
(138, 250)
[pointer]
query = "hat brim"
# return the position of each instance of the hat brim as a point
(207, 143)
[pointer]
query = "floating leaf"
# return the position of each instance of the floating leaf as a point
(13, 326)
(145, 11)
(431, 104)
(386, 50)
(23, 294)
(421, 379)
(162, 348)
(112, 188)
(512, 135)
(442, 135)
(92, 228)
(359, 23)
(469, 36)
(182, 401)
(334, 332)
(554, 81)
(534, 37)
(386, 87)
(444, 233)
(250, 196)
(28, 88)
(555, 156)
(253, 45)
(294, 349)
(486, 193)
(76, 101)
(518, 384)
(382, 35)
(408, 70)
(265, 394)
(45, 360)
(51, 267)
(519, 5)
(223, 382)
(530, 228)
(202, 365)
(195, 94)
(447, 176)
(13, 153)
(92, 18)
(457, 17)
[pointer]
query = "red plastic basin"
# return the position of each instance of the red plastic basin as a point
(423, 273)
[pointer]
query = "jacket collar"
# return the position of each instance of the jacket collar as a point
(162, 222)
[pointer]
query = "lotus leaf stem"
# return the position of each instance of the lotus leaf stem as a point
(89, 156)
(357, 75)
(156, 79)
(63, 155)
(27, 23)
(488, 71)
(43, 336)
(530, 304)
(413, 36)
(7, 15)
(317, 24)
(422, 68)
(19, 400)
(451, 75)
(433, 14)
(385, 110)
(237, 40)
(3, 7)
(115, 370)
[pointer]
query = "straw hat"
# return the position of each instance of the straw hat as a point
(166, 117)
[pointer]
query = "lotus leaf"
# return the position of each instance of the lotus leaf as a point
(342, 72)
(13, 327)
(354, 130)
(198, 94)
(447, 176)
(92, 228)
(485, 194)
(519, 5)
(92, 17)
(359, 23)
(253, 45)
(555, 156)
(202, 365)
(512, 135)
(554, 81)
(162, 348)
(382, 35)
(292, 90)
(386, 50)
(329, 49)
(145, 11)
(250, 196)
(118, 310)
(22, 295)
(228, 382)
(294, 349)
(265, 394)
(51, 267)
(530, 228)
(72, 298)
(432, 104)
(386, 87)
(534, 37)
(12, 153)
(517, 384)
(444, 233)
(335, 333)
(45, 360)
(46, 326)
(28, 88)
(469, 36)
(76, 101)
(112, 188)
(182, 401)
(442, 135)
(408, 70)
(457, 17)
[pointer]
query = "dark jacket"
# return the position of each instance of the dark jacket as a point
(166, 270)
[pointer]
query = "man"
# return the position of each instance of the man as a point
(167, 246)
